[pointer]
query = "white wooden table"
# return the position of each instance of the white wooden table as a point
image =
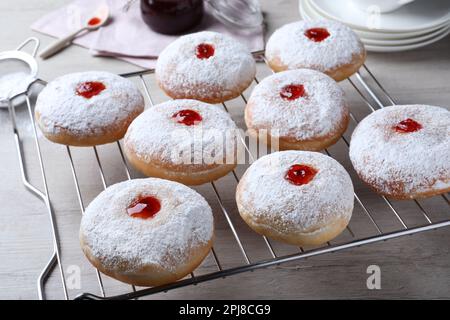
(411, 267)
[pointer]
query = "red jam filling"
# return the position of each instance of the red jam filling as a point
(144, 208)
(292, 91)
(408, 125)
(317, 34)
(300, 174)
(94, 21)
(204, 51)
(90, 89)
(187, 117)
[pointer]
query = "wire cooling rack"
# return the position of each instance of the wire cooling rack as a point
(373, 95)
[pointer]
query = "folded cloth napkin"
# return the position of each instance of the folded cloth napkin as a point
(126, 36)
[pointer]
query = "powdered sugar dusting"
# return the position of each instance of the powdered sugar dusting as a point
(12, 84)
(61, 108)
(318, 113)
(403, 162)
(185, 221)
(267, 194)
(156, 135)
(179, 69)
(295, 50)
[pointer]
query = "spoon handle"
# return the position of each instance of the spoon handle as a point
(59, 45)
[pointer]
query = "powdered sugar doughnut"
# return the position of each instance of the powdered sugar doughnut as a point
(87, 108)
(183, 140)
(304, 109)
(324, 45)
(298, 197)
(205, 66)
(404, 151)
(147, 232)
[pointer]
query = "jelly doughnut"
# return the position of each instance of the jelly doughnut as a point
(205, 66)
(304, 109)
(183, 140)
(404, 151)
(324, 45)
(87, 108)
(147, 232)
(298, 197)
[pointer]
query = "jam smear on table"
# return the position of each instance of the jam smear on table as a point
(317, 34)
(300, 174)
(90, 89)
(94, 21)
(187, 117)
(144, 208)
(204, 51)
(292, 91)
(407, 125)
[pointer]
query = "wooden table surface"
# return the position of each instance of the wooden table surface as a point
(411, 267)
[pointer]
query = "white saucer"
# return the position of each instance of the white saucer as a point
(399, 36)
(418, 16)
(395, 48)
(380, 44)
(375, 38)
(403, 42)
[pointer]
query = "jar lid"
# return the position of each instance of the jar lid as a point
(241, 13)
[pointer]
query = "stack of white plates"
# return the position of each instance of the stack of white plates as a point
(412, 26)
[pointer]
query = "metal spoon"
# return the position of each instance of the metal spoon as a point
(98, 20)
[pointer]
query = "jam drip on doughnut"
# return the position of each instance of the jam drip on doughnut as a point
(144, 208)
(204, 51)
(317, 34)
(292, 91)
(300, 174)
(408, 125)
(90, 89)
(187, 117)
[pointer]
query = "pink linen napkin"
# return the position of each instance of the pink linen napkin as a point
(126, 36)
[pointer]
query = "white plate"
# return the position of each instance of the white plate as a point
(305, 14)
(375, 48)
(399, 36)
(368, 34)
(418, 16)
(403, 42)
(308, 15)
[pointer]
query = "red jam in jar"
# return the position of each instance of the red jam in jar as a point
(172, 16)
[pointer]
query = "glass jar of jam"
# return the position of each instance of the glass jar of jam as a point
(172, 16)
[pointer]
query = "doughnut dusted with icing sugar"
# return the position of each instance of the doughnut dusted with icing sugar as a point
(147, 232)
(298, 197)
(324, 45)
(205, 66)
(303, 109)
(183, 140)
(404, 151)
(87, 108)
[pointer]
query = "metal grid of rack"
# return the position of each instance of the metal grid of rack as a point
(372, 95)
